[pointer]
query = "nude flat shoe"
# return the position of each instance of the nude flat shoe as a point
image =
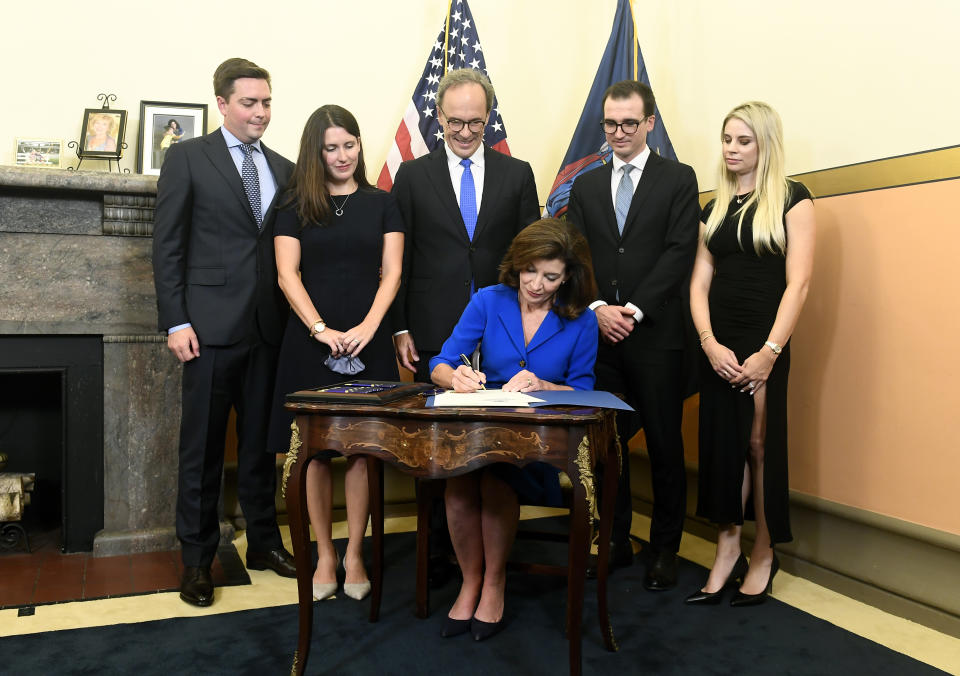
(357, 590)
(324, 590)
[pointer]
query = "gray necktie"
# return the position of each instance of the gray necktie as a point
(251, 182)
(624, 195)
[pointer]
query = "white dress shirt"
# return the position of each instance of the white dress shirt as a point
(456, 172)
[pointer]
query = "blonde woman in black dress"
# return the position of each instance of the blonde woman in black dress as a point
(748, 286)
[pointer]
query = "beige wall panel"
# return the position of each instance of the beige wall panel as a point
(873, 383)
(854, 82)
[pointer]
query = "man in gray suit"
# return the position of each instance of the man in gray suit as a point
(219, 303)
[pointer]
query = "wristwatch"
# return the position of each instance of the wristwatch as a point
(318, 327)
(774, 346)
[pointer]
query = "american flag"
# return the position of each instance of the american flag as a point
(457, 46)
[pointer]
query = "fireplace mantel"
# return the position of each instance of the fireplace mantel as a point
(75, 259)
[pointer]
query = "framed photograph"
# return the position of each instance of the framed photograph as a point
(161, 125)
(102, 134)
(39, 152)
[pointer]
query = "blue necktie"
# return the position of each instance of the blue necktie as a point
(251, 182)
(468, 199)
(624, 196)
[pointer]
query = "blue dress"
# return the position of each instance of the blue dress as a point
(562, 351)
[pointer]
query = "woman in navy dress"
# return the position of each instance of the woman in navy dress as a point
(339, 248)
(748, 285)
(535, 333)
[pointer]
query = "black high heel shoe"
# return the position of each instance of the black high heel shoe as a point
(740, 599)
(703, 598)
(483, 630)
(452, 627)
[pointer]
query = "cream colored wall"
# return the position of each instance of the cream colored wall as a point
(854, 81)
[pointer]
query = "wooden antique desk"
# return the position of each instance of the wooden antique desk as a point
(434, 443)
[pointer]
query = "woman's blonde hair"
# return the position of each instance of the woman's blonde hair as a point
(772, 189)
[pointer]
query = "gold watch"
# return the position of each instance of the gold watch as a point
(318, 327)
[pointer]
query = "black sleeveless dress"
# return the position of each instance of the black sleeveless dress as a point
(744, 297)
(340, 269)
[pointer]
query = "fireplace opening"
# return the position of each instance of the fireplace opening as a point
(32, 439)
(51, 425)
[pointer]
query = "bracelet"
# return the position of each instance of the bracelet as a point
(703, 332)
(703, 338)
(777, 349)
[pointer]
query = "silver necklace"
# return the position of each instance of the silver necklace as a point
(742, 197)
(338, 209)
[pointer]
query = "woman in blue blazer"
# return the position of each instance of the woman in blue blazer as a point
(535, 333)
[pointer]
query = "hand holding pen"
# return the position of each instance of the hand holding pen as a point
(473, 378)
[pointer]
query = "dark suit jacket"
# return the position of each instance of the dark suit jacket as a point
(211, 266)
(650, 264)
(439, 260)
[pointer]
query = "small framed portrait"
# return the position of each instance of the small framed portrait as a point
(39, 152)
(102, 134)
(162, 124)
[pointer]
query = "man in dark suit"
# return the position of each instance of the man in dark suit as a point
(462, 205)
(640, 214)
(219, 303)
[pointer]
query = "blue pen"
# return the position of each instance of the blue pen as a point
(467, 363)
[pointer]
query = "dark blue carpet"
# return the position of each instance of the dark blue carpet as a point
(657, 634)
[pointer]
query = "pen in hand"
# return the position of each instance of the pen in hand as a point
(467, 363)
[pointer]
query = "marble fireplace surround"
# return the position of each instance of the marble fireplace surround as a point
(75, 260)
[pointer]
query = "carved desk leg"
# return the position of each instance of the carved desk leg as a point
(602, 440)
(426, 492)
(294, 488)
(579, 468)
(375, 484)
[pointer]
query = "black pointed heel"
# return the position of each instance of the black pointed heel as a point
(703, 598)
(483, 630)
(741, 600)
(452, 627)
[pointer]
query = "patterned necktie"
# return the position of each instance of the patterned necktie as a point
(468, 199)
(251, 182)
(624, 195)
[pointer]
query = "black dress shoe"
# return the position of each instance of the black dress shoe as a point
(740, 599)
(452, 627)
(621, 556)
(662, 572)
(483, 630)
(278, 560)
(196, 586)
(704, 598)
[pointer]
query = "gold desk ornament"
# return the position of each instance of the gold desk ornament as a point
(616, 444)
(292, 454)
(586, 474)
(296, 657)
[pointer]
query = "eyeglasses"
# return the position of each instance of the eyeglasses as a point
(455, 125)
(627, 126)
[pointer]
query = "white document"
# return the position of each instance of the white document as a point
(484, 398)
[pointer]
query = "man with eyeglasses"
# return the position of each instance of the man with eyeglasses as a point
(462, 204)
(640, 214)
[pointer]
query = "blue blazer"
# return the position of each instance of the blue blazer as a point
(562, 351)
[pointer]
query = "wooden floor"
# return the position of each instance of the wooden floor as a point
(46, 577)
